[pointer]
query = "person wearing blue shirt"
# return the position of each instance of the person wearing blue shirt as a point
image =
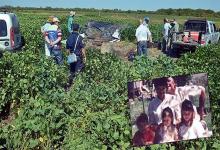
(53, 38)
(74, 44)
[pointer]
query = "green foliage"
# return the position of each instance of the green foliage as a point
(128, 34)
(26, 75)
(94, 114)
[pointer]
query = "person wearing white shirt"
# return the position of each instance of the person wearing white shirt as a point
(143, 35)
(44, 29)
(166, 131)
(190, 128)
(165, 33)
(185, 92)
(160, 102)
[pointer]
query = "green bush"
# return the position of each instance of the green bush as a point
(128, 34)
(33, 86)
(94, 114)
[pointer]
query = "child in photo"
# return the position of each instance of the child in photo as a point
(145, 134)
(166, 131)
(189, 128)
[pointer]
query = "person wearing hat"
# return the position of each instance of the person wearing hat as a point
(74, 44)
(53, 38)
(44, 28)
(70, 21)
(147, 20)
(143, 35)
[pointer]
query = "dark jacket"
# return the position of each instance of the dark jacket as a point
(71, 41)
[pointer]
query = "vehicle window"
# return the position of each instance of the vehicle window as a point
(16, 25)
(207, 28)
(3, 28)
(195, 26)
(214, 27)
(211, 27)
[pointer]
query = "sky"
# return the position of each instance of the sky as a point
(148, 5)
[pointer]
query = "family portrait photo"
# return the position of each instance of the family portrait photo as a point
(169, 109)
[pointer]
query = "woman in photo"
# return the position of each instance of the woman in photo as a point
(166, 131)
(189, 128)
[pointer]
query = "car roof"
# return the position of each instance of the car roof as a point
(7, 14)
(194, 20)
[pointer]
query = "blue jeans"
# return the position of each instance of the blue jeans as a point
(58, 56)
(164, 44)
(142, 48)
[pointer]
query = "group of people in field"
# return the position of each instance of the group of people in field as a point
(144, 36)
(171, 114)
(74, 45)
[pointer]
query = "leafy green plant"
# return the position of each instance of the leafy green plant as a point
(94, 114)
(128, 34)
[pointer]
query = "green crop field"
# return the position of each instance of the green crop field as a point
(94, 114)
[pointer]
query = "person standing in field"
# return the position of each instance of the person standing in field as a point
(53, 38)
(44, 28)
(166, 31)
(71, 21)
(175, 30)
(74, 44)
(143, 35)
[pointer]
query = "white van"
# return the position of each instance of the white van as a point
(10, 36)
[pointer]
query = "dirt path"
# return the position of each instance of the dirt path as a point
(154, 52)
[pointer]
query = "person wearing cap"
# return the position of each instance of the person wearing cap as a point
(74, 44)
(166, 31)
(44, 28)
(70, 21)
(147, 19)
(53, 38)
(143, 35)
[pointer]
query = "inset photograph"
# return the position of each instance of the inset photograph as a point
(169, 109)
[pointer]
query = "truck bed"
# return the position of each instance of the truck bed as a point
(185, 46)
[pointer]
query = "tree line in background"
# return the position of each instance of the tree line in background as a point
(170, 11)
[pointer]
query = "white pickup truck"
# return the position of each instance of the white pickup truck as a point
(196, 33)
